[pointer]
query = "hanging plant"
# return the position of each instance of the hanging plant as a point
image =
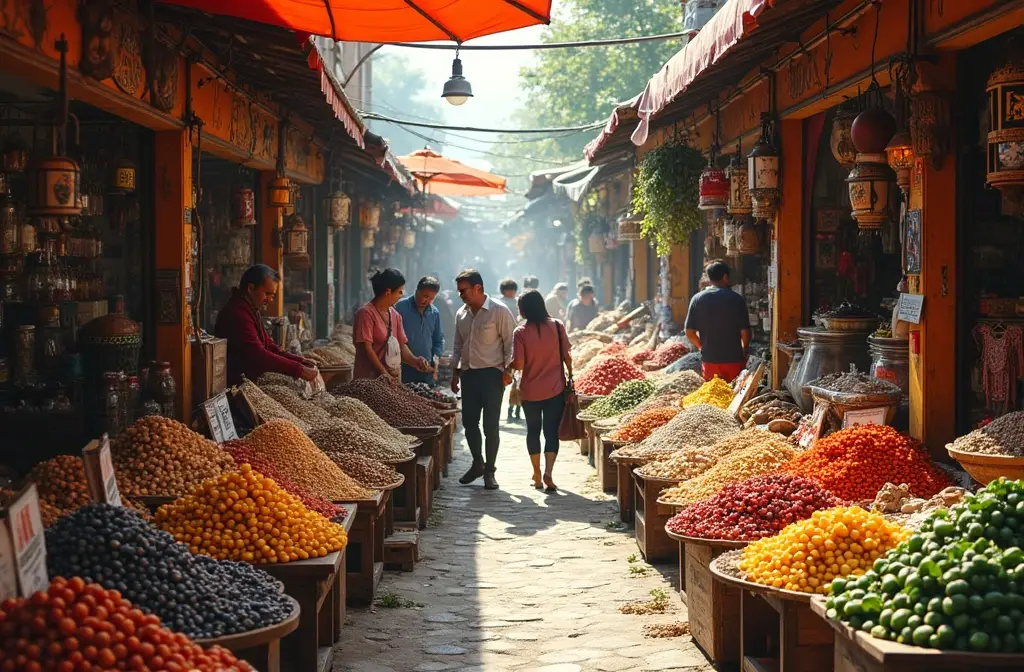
(587, 223)
(666, 190)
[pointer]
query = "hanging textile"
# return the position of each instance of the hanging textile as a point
(1002, 364)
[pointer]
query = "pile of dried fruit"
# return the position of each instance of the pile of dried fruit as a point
(642, 356)
(697, 426)
(292, 453)
(642, 424)
(243, 453)
(245, 516)
(855, 463)
(267, 408)
(667, 353)
(355, 411)
(604, 376)
(1002, 436)
(161, 457)
(758, 459)
(613, 348)
(75, 625)
(678, 466)
(62, 488)
(624, 397)
(349, 438)
(193, 594)
(432, 394)
(715, 392)
(368, 472)
(752, 509)
(396, 405)
(806, 555)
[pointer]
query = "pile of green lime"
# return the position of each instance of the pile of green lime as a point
(956, 584)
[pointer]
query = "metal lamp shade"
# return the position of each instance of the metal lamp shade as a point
(54, 188)
(713, 189)
(870, 184)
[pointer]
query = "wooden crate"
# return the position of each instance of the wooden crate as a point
(713, 606)
(587, 441)
(209, 369)
(365, 552)
(624, 490)
(424, 489)
(430, 445)
(859, 652)
(649, 518)
(405, 498)
(606, 471)
(401, 550)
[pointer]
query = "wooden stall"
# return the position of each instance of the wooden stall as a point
(649, 518)
(365, 552)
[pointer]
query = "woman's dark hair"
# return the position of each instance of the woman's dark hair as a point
(531, 282)
(389, 278)
(531, 307)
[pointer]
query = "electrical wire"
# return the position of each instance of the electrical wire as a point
(483, 152)
(611, 42)
(445, 127)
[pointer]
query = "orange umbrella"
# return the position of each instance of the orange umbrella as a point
(385, 20)
(447, 177)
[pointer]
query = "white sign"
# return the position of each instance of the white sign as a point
(910, 308)
(864, 416)
(8, 573)
(218, 417)
(26, 527)
(99, 472)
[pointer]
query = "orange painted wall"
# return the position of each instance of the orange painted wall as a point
(787, 301)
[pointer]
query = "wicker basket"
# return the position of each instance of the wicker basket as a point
(987, 468)
(848, 323)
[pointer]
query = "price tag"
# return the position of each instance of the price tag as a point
(99, 472)
(218, 417)
(865, 416)
(8, 572)
(910, 308)
(26, 529)
(808, 434)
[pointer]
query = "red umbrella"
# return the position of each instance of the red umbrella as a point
(385, 20)
(447, 177)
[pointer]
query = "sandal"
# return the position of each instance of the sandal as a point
(549, 484)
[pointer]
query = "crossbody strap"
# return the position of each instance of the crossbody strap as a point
(561, 351)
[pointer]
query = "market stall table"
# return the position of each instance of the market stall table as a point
(261, 648)
(430, 445)
(365, 552)
(405, 498)
(606, 468)
(713, 606)
(857, 651)
(624, 489)
(778, 630)
(649, 518)
(424, 489)
(597, 448)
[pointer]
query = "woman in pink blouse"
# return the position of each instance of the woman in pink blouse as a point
(540, 348)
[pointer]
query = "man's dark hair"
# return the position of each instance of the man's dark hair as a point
(256, 275)
(508, 284)
(430, 283)
(531, 282)
(470, 275)
(586, 289)
(717, 270)
(388, 278)
(583, 282)
(531, 307)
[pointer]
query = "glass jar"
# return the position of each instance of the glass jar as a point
(163, 388)
(24, 354)
(112, 403)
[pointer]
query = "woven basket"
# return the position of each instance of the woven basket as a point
(987, 468)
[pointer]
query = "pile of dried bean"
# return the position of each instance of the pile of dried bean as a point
(306, 411)
(678, 466)
(351, 439)
(757, 460)
(624, 397)
(267, 408)
(368, 472)
(1002, 436)
(638, 453)
(603, 376)
(355, 411)
(642, 424)
(396, 405)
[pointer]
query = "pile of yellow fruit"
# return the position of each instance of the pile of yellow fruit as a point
(806, 555)
(242, 515)
(715, 392)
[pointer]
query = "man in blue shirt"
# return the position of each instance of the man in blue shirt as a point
(422, 323)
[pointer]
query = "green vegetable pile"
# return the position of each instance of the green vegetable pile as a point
(626, 396)
(956, 584)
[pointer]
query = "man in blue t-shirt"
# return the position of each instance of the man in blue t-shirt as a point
(717, 323)
(422, 323)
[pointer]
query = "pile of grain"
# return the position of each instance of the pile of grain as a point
(349, 438)
(366, 471)
(267, 408)
(355, 411)
(698, 426)
(678, 466)
(396, 405)
(1002, 436)
(758, 459)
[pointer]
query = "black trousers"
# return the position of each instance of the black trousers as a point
(543, 416)
(482, 392)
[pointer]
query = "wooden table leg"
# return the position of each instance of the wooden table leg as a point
(303, 645)
(624, 491)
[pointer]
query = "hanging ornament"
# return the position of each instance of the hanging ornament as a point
(369, 216)
(243, 208)
(1005, 163)
(763, 172)
(747, 239)
(296, 248)
(841, 141)
(870, 180)
(339, 209)
(279, 193)
(629, 226)
(713, 188)
(409, 239)
(54, 187)
(122, 176)
(739, 194)
(729, 237)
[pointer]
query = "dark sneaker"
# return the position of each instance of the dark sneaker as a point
(489, 482)
(475, 472)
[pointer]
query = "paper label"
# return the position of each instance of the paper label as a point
(864, 416)
(911, 306)
(808, 434)
(218, 417)
(26, 528)
(99, 472)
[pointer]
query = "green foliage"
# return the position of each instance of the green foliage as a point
(666, 190)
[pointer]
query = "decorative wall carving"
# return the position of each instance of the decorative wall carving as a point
(99, 39)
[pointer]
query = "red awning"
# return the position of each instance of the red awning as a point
(335, 96)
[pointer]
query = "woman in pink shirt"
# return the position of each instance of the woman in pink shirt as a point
(540, 348)
(378, 333)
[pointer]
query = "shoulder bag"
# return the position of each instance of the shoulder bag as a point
(570, 428)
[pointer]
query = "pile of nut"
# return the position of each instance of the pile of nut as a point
(366, 471)
(778, 416)
(328, 355)
(678, 466)
(283, 380)
(266, 408)
(63, 488)
(159, 456)
(355, 411)
(396, 405)
(306, 411)
(349, 438)
(1002, 436)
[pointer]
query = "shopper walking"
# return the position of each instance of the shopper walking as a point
(717, 323)
(583, 309)
(556, 300)
(481, 355)
(422, 324)
(509, 288)
(540, 349)
(378, 333)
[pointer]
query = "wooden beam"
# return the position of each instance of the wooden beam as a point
(270, 250)
(787, 301)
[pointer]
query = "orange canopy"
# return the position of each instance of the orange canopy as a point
(442, 176)
(385, 20)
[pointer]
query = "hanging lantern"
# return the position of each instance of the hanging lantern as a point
(296, 242)
(122, 176)
(54, 187)
(15, 156)
(713, 189)
(729, 237)
(870, 179)
(369, 216)
(1005, 163)
(339, 209)
(629, 226)
(739, 194)
(279, 193)
(243, 208)
(840, 141)
(367, 238)
(747, 240)
(872, 130)
(409, 239)
(763, 173)
(900, 154)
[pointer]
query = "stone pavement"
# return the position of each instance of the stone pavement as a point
(516, 579)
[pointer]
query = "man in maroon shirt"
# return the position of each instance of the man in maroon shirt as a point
(251, 351)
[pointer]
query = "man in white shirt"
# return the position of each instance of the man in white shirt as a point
(481, 356)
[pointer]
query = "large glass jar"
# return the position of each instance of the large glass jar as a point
(9, 232)
(24, 354)
(163, 387)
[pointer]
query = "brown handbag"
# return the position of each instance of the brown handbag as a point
(570, 428)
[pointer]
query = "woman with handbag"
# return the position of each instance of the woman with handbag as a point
(540, 348)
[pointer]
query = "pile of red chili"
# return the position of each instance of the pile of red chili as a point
(604, 375)
(855, 463)
(667, 353)
(642, 356)
(613, 348)
(752, 509)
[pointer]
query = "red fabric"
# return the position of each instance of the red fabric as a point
(726, 372)
(251, 351)
(369, 327)
(335, 96)
(385, 20)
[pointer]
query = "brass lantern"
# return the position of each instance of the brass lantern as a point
(739, 194)
(296, 242)
(243, 208)
(279, 194)
(713, 189)
(900, 154)
(1005, 163)
(339, 209)
(369, 216)
(54, 187)
(763, 173)
(122, 176)
(870, 181)
(840, 140)
(409, 239)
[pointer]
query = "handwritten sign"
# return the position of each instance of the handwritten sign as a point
(99, 472)
(910, 308)
(8, 571)
(807, 434)
(25, 525)
(746, 389)
(218, 417)
(864, 416)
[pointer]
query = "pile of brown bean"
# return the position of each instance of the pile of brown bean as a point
(758, 459)
(396, 405)
(267, 408)
(698, 426)
(678, 466)
(161, 457)
(63, 489)
(366, 471)
(293, 454)
(283, 380)
(350, 438)
(296, 405)
(354, 411)
(663, 400)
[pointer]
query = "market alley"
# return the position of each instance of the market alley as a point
(516, 579)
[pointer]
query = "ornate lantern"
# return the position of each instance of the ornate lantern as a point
(54, 188)
(900, 154)
(243, 208)
(409, 239)
(279, 194)
(296, 242)
(739, 194)
(629, 226)
(1005, 164)
(870, 180)
(369, 216)
(339, 209)
(747, 240)
(729, 237)
(840, 141)
(763, 173)
(714, 188)
(122, 176)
